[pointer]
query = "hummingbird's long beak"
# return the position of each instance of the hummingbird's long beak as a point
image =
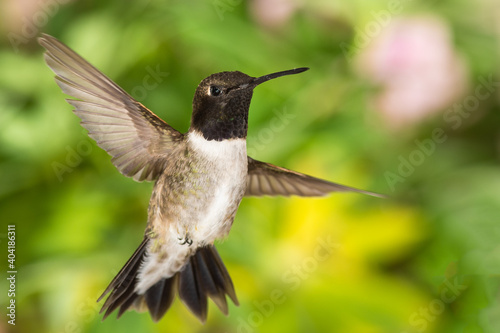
(268, 77)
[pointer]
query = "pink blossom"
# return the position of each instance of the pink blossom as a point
(414, 61)
(273, 13)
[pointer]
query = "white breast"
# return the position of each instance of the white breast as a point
(218, 151)
(229, 157)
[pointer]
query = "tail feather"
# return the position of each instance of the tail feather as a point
(212, 281)
(122, 295)
(218, 273)
(203, 276)
(127, 270)
(126, 304)
(122, 286)
(160, 296)
(191, 291)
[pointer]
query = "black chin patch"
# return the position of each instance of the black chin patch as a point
(224, 129)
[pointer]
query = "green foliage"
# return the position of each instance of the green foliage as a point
(78, 220)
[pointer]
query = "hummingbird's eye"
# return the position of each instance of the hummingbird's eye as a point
(215, 91)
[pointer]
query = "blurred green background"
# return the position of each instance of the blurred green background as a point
(402, 98)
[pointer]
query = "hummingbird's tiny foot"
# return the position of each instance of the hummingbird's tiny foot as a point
(185, 240)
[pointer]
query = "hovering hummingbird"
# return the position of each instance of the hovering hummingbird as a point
(200, 179)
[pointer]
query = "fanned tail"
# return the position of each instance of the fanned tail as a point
(203, 276)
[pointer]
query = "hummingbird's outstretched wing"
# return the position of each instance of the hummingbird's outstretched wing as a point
(137, 140)
(267, 179)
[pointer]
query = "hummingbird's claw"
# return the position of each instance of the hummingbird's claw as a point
(185, 240)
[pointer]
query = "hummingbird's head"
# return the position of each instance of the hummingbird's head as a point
(221, 103)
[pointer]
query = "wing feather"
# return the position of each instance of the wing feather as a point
(267, 179)
(138, 141)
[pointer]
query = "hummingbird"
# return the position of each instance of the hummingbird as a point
(200, 178)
